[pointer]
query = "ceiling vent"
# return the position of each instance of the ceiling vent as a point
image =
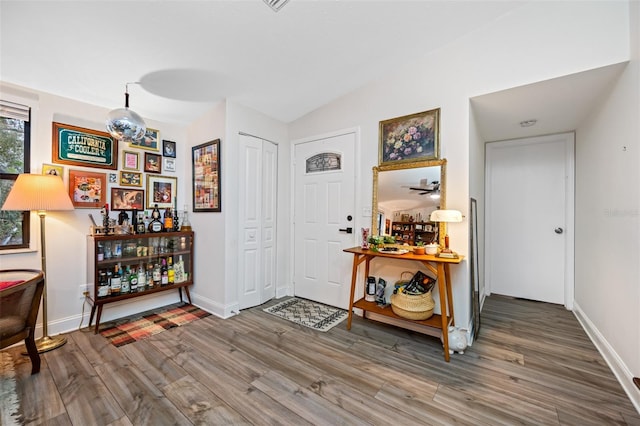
(276, 5)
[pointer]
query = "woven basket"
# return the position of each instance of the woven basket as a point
(414, 307)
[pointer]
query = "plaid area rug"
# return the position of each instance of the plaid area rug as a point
(310, 314)
(148, 325)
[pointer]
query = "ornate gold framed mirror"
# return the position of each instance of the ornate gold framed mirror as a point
(404, 195)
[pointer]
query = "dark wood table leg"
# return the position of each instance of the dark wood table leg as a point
(98, 319)
(186, 290)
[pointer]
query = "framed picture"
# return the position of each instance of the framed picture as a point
(169, 164)
(127, 199)
(413, 137)
(77, 146)
(206, 177)
(169, 149)
(150, 141)
(161, 190)
(130, 179)
(113, 177)
(87, 189)
(50, 169)
(152, 163)
(130, 160)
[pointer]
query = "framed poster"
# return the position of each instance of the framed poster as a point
(130, 160)
(77, 146)
(162, 190)
(127, 199)
(87, 189)
(413, 137)
(169, 149)
(169, 164)
(152, 163)
(150, 141)
(206, 177)
(130, 179)
(50, 169)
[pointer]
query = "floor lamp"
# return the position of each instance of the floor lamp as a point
(40, 193)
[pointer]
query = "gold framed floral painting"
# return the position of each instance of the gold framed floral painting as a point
(412, 137)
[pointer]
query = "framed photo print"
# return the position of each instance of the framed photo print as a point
(77, 146)
(169, 149)
(152, 163)
(113, 178)
(206, 177)
(50, 169)
(127, 199)
(87, 189)
(161, 190)
(150, 141)
(130, 179)
(413, 137)
(130, 160)
(169, 164)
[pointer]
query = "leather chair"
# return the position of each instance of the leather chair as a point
(20, 294)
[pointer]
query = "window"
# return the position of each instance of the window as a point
(15, 138)
(324, 162)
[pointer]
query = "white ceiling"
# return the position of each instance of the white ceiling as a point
(189, 55)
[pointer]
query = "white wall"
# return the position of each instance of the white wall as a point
(538, 41)
(607, 293)
(67, 231)
(216, 234)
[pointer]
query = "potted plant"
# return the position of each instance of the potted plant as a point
(419, 248)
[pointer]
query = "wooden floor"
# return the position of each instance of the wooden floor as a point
(533, 364)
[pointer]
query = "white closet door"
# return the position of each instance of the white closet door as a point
(258, 214)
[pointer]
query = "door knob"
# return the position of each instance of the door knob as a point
(558, 230)
(347, 230)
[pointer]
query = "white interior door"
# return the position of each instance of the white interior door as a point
(529, 218)
(324, 203)
(257, 209)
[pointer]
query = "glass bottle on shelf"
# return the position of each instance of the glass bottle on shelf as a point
(142, 277)
(156, 224)
(100, 251)
(124, 281)
(168, 220)
(164, 273)
(186, 225)
(133, 279)
(171, 273)
(157, 274)
(149, 278)
(116, 280)
(103, 284)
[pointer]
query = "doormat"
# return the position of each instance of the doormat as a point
(9, 400)
(148, 325)
(310, 314)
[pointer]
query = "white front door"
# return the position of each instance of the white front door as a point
(529, 218)
(257, 209)
(324, 207)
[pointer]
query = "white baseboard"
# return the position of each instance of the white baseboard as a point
(620, 370)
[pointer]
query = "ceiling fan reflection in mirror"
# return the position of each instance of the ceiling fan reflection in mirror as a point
(426, 187)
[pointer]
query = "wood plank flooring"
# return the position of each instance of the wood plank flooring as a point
(533, 364)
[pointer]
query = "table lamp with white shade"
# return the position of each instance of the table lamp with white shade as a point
(41, 193)
(446, 216)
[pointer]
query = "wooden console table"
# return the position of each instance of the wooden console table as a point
(437, 265)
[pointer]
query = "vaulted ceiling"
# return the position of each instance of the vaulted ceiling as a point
(189, 55)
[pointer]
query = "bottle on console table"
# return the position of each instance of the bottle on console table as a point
(156, 224)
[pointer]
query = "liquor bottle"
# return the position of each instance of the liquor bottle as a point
(142, 277)
(100, 252)
(116, 280)
(133, 280)
(103, 284)
(179, 270)
(149, 275)
(140, 227)
(157, 274)
(124, 281)
(164, 273)
(156, 224)
(170, 271)
(168, 220)
(186, 225)
(176, 220)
